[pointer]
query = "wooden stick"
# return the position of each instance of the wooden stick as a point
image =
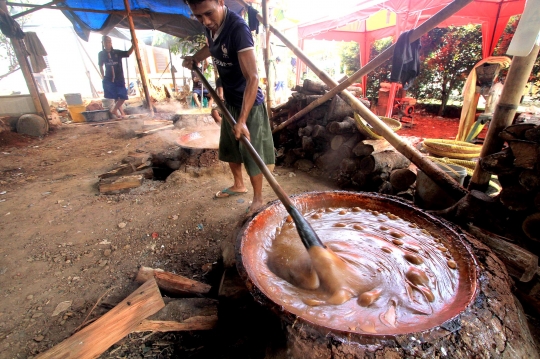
(444, 180)
(93, 340)
(166, 127)
(172, 283)
(183, 314)
(519, 262)
(142, 71)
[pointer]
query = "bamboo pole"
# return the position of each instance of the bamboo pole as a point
(138, 13)
(18, 48)
(138, 56)
(266, 55)
(429, 168)
(39, 7)
(518, 74)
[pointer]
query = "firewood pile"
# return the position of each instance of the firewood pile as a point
(328, 139)
(145, 310)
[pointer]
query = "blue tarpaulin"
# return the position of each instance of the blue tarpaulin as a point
(169, 16)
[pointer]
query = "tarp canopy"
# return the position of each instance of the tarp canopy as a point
(169, 16)
(376, 19)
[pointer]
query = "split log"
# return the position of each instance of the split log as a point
(331, 159)
(305, 131)
(530, 180)
(519, 262)
(113, 184)
(518, 130)
(308, 145)
(516, 198)
(498, 163)
(360, 179)
(138, 158)
(383, 161)
(314, 86)
(368, 147)
(128, 168)
(97, 337)
(525, 153)
(349, 165)
(347, 126)
(386, 188)
(402, 178)
(183, 315)
(172, 283)
(406, 195)
(339, 109)
(533, 134)
(531, 226)
(320, 132)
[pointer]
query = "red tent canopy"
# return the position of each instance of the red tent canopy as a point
(493, 15)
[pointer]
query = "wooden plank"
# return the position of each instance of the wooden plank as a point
(93, 340)
(183, 314)
(172, 283)
(120, 183)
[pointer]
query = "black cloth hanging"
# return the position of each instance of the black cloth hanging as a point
(406, 61)
(10, 27)
(253, 22)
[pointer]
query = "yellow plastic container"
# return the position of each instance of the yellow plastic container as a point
(76, 111)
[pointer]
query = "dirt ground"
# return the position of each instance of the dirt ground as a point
(61, 240)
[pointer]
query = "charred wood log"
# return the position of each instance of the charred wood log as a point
(383, 161)
(519, 262)
(305, 131)
(386, 188)
(347, 126)
(402, 178)
(530, 179)
(518, 131)
(368, 147)
(315, 87)
(533, 134)
(531, 226)
(525, 153)
(497, 163)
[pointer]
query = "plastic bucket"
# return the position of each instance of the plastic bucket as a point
(73, 99)
(96, 116)
(429, 195)
(76, 111)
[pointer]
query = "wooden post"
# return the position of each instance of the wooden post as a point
(443, 179)
(18, 48)
(172, 73)
(518, 74)
(138, 56)
(266, 55)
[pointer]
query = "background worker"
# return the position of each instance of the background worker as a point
(216, 115)
(114, 85)
(198, 91)
(230, 43)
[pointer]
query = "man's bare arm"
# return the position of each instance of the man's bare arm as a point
(248, 64)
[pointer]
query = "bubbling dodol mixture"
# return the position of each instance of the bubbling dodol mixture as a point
(392, 272)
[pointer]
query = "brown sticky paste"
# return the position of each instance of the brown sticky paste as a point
(393, 285)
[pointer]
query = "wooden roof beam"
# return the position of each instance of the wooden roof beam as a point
(140, 13)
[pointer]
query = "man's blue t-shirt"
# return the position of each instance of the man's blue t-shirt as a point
(234, 36)
(113, 64)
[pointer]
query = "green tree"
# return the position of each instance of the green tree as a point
(448, 55)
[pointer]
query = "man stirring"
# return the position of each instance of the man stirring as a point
(230, 43)
(114, 85)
